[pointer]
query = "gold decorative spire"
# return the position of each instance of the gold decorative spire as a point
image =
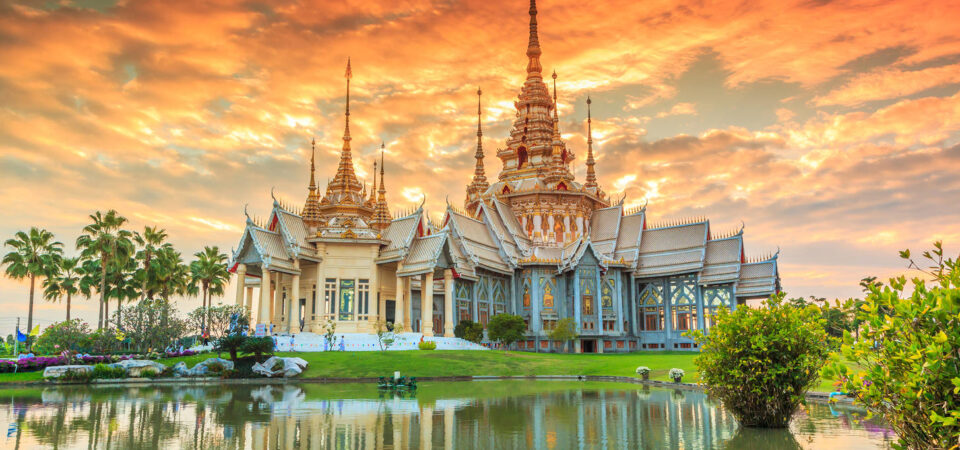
(345, 182)
(381, 216)
(591, 173)
(533, 46)
(479, 177)
(311, 209)
(373, 190)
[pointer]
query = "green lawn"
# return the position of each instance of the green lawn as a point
(473, 363)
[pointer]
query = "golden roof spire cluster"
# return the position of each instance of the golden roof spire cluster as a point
(479, 183)
(345, 184)
(533, 46)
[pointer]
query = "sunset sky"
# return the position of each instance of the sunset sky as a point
(832, 129)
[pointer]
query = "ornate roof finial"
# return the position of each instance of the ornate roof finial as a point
(345, 182)
(554, 95)
(313, 155)
(479, 176)
(533, 46)
(591, 173)
(348, 75)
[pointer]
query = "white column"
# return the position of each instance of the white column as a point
(322, 305)
(311, 306)
(250, 300)
(426, 304)
(448, 303)
(275, 300)
(241, 282)
(399, 307)
(263, 314)
(373, 302)
(295, 299)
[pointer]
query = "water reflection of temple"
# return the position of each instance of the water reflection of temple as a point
(501, 414)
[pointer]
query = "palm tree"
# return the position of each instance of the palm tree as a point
(67, 282)
(105, 240)
(35, 254)
(209, 272)
(122, 285)
(150, 242)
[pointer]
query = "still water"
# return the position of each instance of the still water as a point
(479, 414)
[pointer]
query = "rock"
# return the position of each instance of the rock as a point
(180, 369)
(135, 367)
(203, 367)
(59, 371)
(287, 367)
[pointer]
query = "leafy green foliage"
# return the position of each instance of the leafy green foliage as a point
(105, 372)
(217, 318)
(506, 328)
(760, 362)
(209, 273)
(152, 324)
(33, 255)
(427, 345)
(469, 330)
(66, 335)
(908, 355)
(387, 333)
(259, 346)
(231, 343)
(565, 331)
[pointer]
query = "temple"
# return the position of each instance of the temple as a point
(536, 243)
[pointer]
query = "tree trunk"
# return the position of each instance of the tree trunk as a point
(68, 306)
(33, 278)
(103, 289)
(209, 303)
(106, 313)
(119, 306)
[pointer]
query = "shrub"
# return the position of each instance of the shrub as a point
(506, 328)
(259, 346)
(149, 373)
(387, 334)
(676, 373)
(643, 370)
(469, 330)
(66, 335)
(105, 372)
(565, 331)
(76, 375)
(427, 345)
(907, 355)
(760, 362)
(231, 344)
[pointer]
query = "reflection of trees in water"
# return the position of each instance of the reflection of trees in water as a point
(778, 438)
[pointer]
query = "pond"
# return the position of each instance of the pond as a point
(477, 414)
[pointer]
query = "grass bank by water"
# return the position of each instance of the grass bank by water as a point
(472, 363)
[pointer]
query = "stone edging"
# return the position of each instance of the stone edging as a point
(814, 396)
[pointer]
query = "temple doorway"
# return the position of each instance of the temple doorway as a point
(588, 346)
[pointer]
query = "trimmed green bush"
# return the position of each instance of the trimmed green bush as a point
(105, 372)
(760, 362)
(905, 365)
(258, 346)
(469, 330)
(427, 345)
(506, 328)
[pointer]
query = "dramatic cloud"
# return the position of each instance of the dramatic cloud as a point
(830, 128)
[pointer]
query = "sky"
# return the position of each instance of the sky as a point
(830, 128)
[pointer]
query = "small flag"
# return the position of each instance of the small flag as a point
(35, 331)
(20, 336)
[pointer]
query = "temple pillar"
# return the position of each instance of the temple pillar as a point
(241, 282)
(294, 299)
(426, 426)
(426, 304)
(399, 307)
(448, 425)
(263, 313)
(448, 303)
(250, 300)
(373, 300)
(274, 293)
(322, 306)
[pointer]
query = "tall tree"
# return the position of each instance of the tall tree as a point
(209, 272)
(150, 242)
(123, 284)
(34, 254)
(66, 283)
(104, 239)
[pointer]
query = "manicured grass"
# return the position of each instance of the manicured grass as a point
(472, 363)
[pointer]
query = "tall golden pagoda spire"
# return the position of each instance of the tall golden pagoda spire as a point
(381, 216)
(533, 46)
(373, 191)
(345, 184)
(479, 176)
(591, 172)
(311, 209)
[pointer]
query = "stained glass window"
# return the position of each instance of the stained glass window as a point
(347, 298)
(651, 307)
(683, 303)
(713, 298)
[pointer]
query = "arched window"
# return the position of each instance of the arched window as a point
(713, 298)
(561, 186)
(683, 303)
(521, 157)
(558, 227)
(651, 308)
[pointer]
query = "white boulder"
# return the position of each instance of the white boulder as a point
(59, 371)
(135, 367)
(286, 367)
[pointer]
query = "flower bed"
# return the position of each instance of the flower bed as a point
(178, 354)
(42, 362)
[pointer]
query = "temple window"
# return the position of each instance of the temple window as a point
(521, 156)
(499, 297)
(651, 307)
(683, 303)
(548, 288)
(483, 301)
(606, 293)
(347, 297)
(588, 290)
(714, 298)
(363, 299)
(526, 295)
(464, 295)
(558, 228)
(330, 295)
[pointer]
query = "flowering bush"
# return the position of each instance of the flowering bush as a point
(676, 373)
(179, 354)
(643, 370)
(42, 362)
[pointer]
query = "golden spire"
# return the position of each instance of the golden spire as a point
(591, 173)
(533, 46)
(373, 190)
(311, 208)
(479, 177)
(345, 181)
(381, 216)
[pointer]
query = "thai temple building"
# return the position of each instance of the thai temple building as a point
(536, 242)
